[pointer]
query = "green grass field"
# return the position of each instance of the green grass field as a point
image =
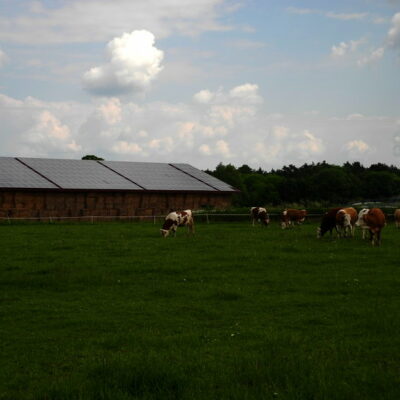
(113, 311)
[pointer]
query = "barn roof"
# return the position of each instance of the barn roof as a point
(61, 174)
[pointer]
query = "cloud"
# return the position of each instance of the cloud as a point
(203, 97)
(126, 148)
(49, 134)
(358, 146)
(88, 21)
(280, 132)
(3, 58)
(393, 37)
(301, 11)
(358, 150)
(374, 56)
(329, 14)
(344, 48)
(247, 93)
(346, 17)
(349, 51)
(133, 63)
(227, 129)
(311, 145)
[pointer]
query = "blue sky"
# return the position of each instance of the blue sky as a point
(265, 83)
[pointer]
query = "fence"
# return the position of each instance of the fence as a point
(199, 217)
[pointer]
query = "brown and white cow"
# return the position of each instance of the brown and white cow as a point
(375, 220)
(175, 219)
(259, 214)
(397, 218)
(361, 223)
(345, 221)
(291, 217)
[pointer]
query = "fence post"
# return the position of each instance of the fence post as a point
(92, 219)
(208, 221)
(154, 219)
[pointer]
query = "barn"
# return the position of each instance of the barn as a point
(43, 188)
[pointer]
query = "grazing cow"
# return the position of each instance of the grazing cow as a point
(175, 219)
(259, 214)
(375, 220)
(328, 222)
(397, 218)
(361, 223)
(291, 217)
(345, 221)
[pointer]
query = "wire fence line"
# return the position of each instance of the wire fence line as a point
(154, 218)
(208, 217)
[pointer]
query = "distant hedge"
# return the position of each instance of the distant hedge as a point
(315, 185)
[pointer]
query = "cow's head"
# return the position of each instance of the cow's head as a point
(346, 220)
(360, 220)
(164, 232)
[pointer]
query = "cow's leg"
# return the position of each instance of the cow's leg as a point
(371, 237)
(378, 237)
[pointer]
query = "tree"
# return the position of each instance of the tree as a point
(92, 157)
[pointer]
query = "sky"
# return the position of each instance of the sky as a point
(260, 82)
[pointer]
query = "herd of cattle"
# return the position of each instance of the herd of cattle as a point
(342, 220)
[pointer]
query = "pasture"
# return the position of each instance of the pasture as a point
(113, 311)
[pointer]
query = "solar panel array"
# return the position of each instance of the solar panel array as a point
(157, 176)
(203, 176)
(39, 173)
(14, 174)
(79, 174)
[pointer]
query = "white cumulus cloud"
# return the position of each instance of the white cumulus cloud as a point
(393, 37)
(247, 92)
(224, 130)
(311, 145)
(133, 63)
(372, 57)
(126, 148)
(204, 96)
(111, 110)
(344, 48)
(357, 145)
(49, 134)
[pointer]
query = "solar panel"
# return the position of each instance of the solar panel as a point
(157, 176)
(14, 174)
(203, 176)
(80, 174)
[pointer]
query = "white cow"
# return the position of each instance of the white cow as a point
(175, 219)
(361, 223)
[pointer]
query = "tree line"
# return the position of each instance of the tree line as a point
(325, 183)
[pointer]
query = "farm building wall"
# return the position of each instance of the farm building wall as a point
(42, 204)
